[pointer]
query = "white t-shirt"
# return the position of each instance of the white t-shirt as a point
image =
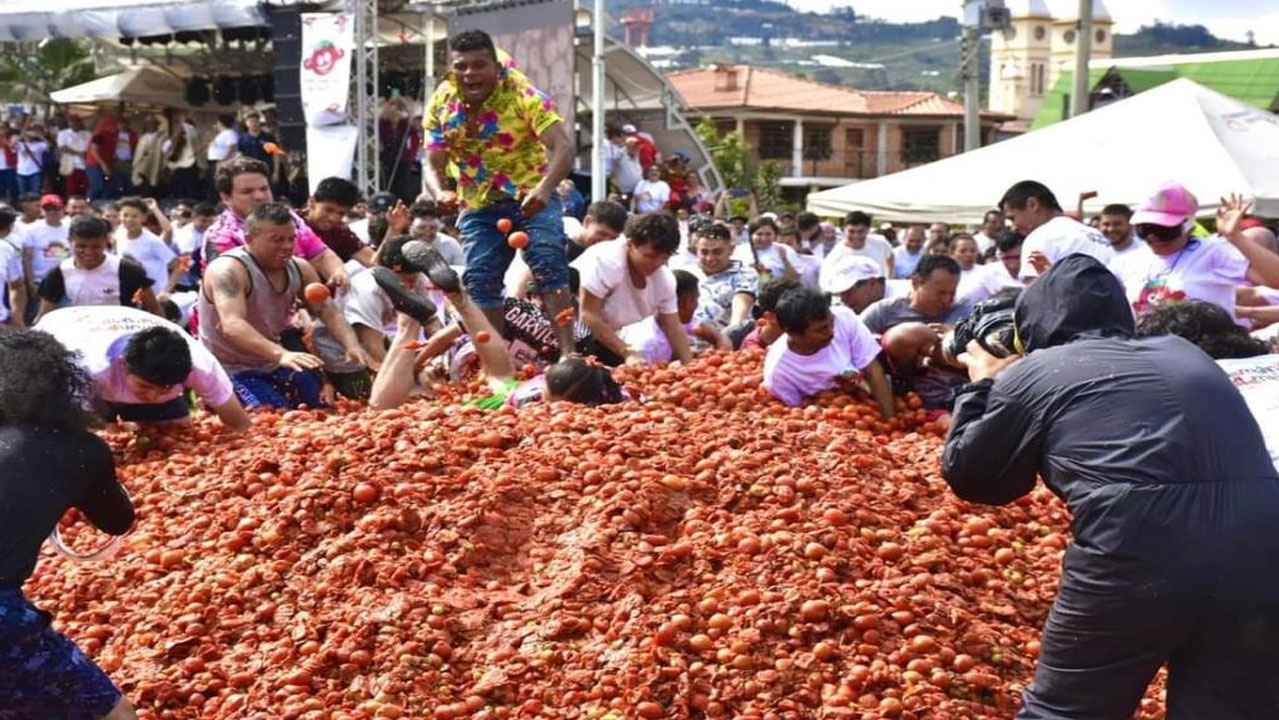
(99, 335)
(1136, 244)
(222, 145)
(49, 246)
(364, 302)
(10, 271)
(77, 140)
(984, 242)
(150, 252)
(187, 239)
(791, 377)
(649, 342)
(450, 250)
(980, 282)
(360, 228)
(876, 248)
(1257, 379)
(770, 258)
(651, 196)
(1207, 269)
(605, 275)
(123, 146)
(904, 263)
(1060, 237)
(809, 268)
(30, 155)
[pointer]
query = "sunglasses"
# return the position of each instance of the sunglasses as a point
(1148, 231)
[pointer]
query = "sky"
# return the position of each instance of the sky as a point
(1229, 19)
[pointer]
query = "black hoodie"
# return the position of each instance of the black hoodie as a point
(1144, 439)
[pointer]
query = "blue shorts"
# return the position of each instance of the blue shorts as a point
(283, 388)
(42, 674)
(488, 255)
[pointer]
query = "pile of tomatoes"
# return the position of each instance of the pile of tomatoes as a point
(705, 553)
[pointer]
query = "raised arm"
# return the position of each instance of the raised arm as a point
(1263, 265)
(328, 313)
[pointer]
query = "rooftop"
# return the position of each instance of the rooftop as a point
(745, 87)
(1251, 76)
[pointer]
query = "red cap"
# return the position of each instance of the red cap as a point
(51, 199)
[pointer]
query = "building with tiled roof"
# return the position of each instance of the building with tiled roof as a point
(826, 135)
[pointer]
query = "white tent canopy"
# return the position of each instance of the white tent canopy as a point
(1211, 143)
(142, 85)
(30, 20)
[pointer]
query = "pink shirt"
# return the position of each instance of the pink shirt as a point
(227, 232)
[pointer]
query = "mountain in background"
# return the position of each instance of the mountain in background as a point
(842, 47)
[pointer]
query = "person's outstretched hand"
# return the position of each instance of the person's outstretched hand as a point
(1230, 212)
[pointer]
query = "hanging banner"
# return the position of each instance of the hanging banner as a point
(328, 45)
(330, 152)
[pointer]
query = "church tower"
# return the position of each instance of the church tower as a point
(1028, 57)
(1065, 31)
(1020, 59)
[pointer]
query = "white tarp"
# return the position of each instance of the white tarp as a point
(142, 85)
(1211, 143)
(32, 20)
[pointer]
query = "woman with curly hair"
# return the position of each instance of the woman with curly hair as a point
(49, 462)
(1206, 325)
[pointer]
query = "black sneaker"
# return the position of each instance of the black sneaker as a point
(416, 306)
(424, 258)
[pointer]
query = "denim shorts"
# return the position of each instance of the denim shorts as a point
(488, 255)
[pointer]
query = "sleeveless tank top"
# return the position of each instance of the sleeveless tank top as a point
(269, 312)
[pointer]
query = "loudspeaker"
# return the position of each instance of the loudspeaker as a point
(286, 59)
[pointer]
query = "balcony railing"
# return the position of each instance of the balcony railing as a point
(860, 164)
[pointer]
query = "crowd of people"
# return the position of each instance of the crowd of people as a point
(500, 271)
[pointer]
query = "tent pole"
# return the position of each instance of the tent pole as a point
(1083, 52)
(598, 181)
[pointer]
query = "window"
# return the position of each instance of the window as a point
(1069, 37)
(817, 143)
(1040, 32)
(921, 145)
(858, 161)
(1042, 76)
(1101, 36)
(776, 139)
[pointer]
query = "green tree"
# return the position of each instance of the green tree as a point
(728, 151)
(768, 186)
(29, 72)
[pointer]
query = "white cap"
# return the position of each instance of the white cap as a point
(628, 129)
(847, 272)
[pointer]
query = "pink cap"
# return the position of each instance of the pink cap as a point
(1170, 206)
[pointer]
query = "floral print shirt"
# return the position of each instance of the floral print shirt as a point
(505, 158)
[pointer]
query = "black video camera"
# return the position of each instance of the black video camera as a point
(990, 324)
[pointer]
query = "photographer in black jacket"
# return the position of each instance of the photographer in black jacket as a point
(1174, 500)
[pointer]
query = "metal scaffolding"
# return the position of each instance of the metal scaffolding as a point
(368, 169)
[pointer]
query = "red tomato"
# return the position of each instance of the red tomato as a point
(504, 225)
(316, 293)
(518, 240)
